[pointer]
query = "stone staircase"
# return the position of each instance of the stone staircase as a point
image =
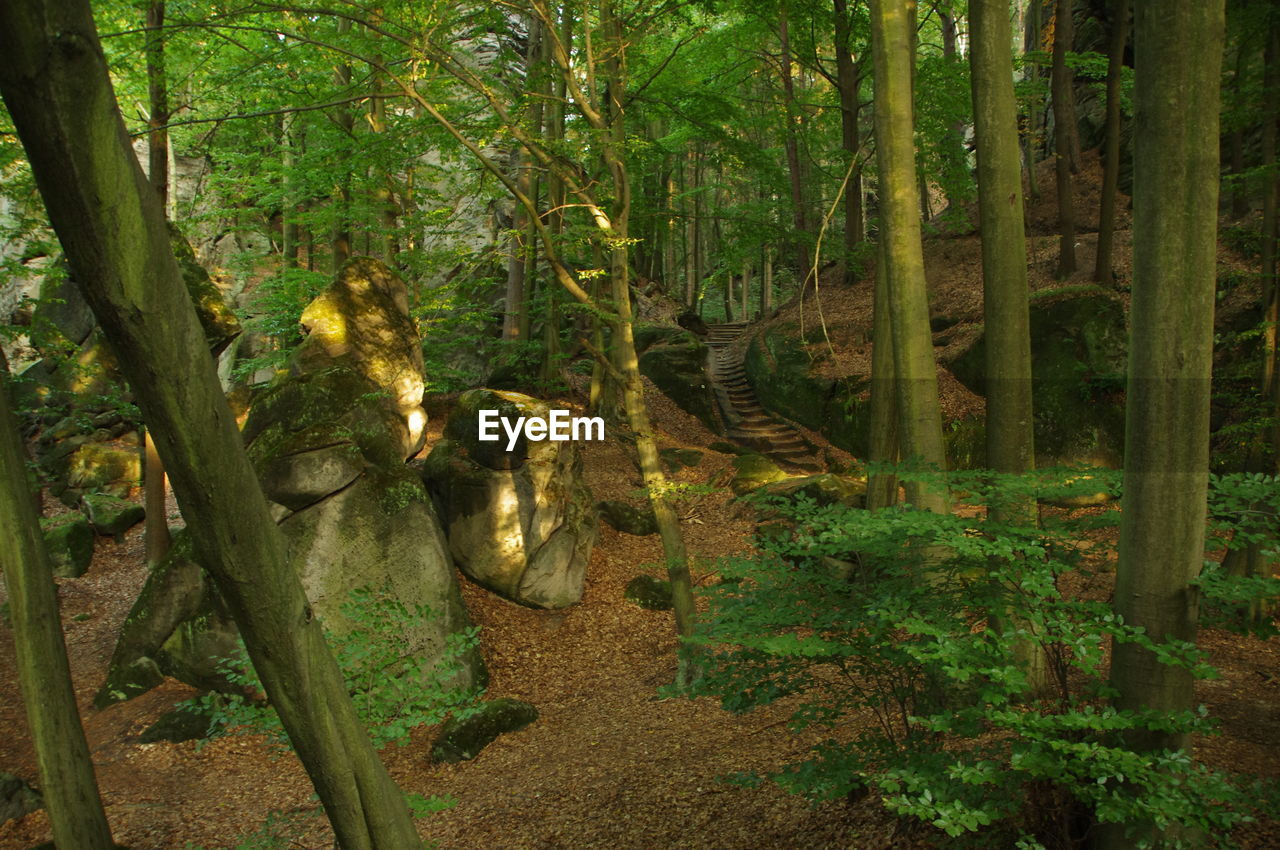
(748, 422)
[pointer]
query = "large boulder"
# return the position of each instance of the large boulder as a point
(521, 525)
(69, 541)
(787, 381)
(362, 321)
(675, 360)
(1078, 365)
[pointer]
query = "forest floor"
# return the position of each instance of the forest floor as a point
(608, 763)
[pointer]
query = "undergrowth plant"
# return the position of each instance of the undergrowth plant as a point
(897, 630)
(393, 688)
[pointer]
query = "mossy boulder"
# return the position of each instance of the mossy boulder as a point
(784, 374)
(218, 320)
(69, 540)
(676, 360)
(463, 426)
(183, 723)
(61, 314)
(178, 626)
(362, 321)
(17, 798)
(1078, 361)
(653, 594)
(522, 526)
(628, 518)
(460, 740)
(103, 466)
(675, 459)
(752, 472)
(111, 516)
(824, 489)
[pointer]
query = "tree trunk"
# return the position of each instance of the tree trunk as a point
(111, 224)
(340, 240)
(766, 284)
(848, 77)
(792, 143)
(156, 530)
(1031, 43)
(915, 374)
(673, 548)
(1179, 52)
(66, 771)
(1064, 117)
(1102, 271)
(1006, 312)
(882, 439)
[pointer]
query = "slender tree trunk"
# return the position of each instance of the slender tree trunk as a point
(1064, 117)
(1239, 191)
(746, 291)
(1179, 52)
(1102, 271)
(111, 224)
(766, 284)
(673, 548)
(156, 530)
(792, 143)
(340, 241)
(289, 235)
(915, 374)
(66, 770)
(1031, 43)
(848, 77)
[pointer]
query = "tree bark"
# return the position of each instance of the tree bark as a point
(1064, 118)
(156, 530)
(62, 753)
(1006, 311)
(915, 374)
(882, 439)
(1102, 271)
(795, 176)
(1179, 51)
(848, 77)
(111, 224)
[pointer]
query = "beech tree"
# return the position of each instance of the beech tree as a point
(915, 376)
(66, 771)
(1178, 47)
(55, 84)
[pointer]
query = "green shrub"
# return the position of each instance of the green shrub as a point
(393, 690)
(912, 619)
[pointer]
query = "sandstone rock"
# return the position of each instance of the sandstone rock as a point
(753, 471)
(184, 723)
(649, 592)
(824, 489)
(111, 516)
(362, 321)
(217, 318)
(675, 360)
(524, 531)
(463, 739)
(69, 540)
(1078, 363)
(17, 798)
(629, 518)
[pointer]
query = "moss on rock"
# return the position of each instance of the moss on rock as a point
(69, 540)
(463, 739)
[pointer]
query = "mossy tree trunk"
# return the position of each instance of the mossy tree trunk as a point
(1179, 49)
(66, 771)
(882, 441)
(915, 374)
(55, 84)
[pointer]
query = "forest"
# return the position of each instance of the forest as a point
(639, 424)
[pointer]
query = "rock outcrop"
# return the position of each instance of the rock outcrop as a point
(520, 523)
(328, 440)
